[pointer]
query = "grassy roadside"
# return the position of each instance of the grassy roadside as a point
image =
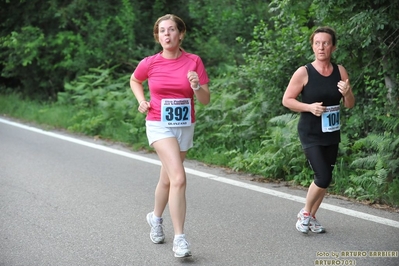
(56, 116)
(48, 115)
(63, 117)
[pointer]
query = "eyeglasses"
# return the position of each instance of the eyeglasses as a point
(325, 44)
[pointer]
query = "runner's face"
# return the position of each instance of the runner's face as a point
(322, 46)
(169, 35)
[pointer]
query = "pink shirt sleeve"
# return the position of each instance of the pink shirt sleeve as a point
(141, 71)
(200, 69)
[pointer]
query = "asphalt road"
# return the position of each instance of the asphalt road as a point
(72, 200)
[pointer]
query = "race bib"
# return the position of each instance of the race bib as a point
(330, 119)
(176, 112)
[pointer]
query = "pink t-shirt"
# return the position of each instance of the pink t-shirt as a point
(167, 79)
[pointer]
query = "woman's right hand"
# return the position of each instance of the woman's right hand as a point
(317, 108)
(144, 106)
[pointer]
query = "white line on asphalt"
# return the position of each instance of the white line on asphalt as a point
(271, 192)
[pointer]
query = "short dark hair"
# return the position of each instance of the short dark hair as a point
(181, 26)
(325, 29)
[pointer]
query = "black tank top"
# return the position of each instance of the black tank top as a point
(319, 89)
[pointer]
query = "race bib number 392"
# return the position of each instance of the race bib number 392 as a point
(330, 119)
(176, 112)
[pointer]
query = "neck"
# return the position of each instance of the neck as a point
(322, 64)
(323, 67)
(171, 54)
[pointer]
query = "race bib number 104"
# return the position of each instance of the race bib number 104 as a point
(176, 112)
(330, 119)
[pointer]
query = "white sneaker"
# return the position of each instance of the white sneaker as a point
(181, 248)
(302, 225)
(315, 226)
(157, 236)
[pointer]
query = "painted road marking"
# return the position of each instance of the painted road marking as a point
(271, 192)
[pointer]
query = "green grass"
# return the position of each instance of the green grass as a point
(55, 116)
(48, 115)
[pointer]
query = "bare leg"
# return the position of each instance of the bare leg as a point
(161, 193)
(316, 205)
(314, 198)
(172, 159)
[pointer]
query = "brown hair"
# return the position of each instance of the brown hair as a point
(181, 26)
(324, 29)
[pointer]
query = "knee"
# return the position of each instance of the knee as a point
(178, 181)
(165, 183)
(323, 182)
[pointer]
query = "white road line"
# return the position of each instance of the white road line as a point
(271, 192)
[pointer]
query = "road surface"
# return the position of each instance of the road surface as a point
(72, 200)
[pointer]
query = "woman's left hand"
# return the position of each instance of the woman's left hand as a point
(193, 78)
(344, 87)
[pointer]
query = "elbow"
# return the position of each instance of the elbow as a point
(284, 102)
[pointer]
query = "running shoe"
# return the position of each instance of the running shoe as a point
(181, 248)
(315, 226)
(157, 236)
(302, 225)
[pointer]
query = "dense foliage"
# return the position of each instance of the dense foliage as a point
(81, 53)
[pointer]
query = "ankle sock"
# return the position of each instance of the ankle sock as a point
(305, 213)
(179, 236)
(156, 220)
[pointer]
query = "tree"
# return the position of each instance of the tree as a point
(64, 40)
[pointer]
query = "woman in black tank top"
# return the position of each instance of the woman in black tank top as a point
(322, 85)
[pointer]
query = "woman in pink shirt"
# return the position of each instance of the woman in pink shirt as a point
(174, 77)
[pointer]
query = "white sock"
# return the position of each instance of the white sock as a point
(156, 220)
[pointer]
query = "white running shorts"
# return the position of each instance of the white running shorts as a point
(184, 135)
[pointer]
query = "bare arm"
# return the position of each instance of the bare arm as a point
(298, 80)
(138, 91)
(345, 89)
(203, 94)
